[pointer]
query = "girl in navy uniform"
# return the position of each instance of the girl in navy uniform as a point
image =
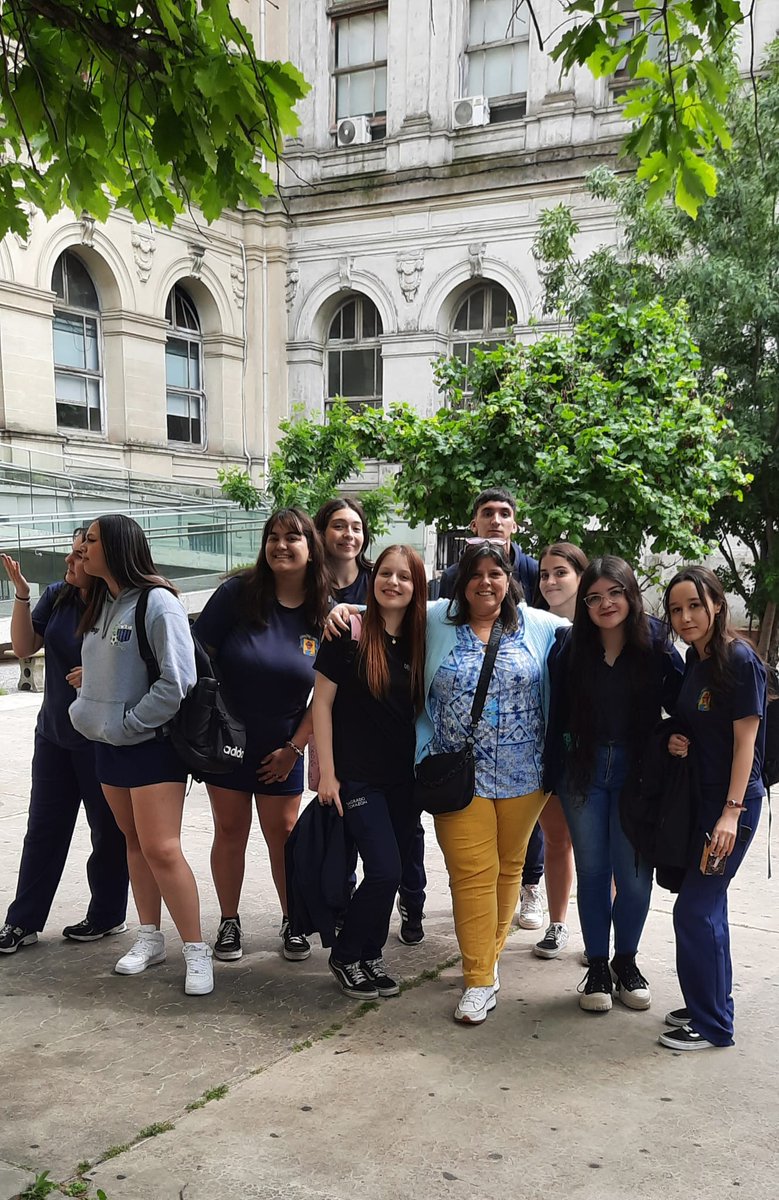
(366, 698)
(722, 707)
(262, 628)
(124, 714)
(63, 772)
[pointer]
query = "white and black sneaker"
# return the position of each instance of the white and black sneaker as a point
(411, 931)
(87, 931)
(554, 940)
(353, 980)
(376, 971)
(294, 946)
(12, 937)
(684, 1038)
(227, 946)
(678, 1017)
(596, 987)
(630, 986)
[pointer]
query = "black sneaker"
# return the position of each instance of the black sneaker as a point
(87, 931)
(376, 970)
(295, 946)
(678, 1017)
(684, 1038)
(631, 987)
(12, 937)
(411, 932)
(353, 980)
(227, 946)
(596, 987)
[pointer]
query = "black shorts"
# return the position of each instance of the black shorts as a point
(139, 765)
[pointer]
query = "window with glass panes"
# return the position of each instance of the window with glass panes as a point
(360, 65)
(498, 46)
(484, 318)
(354, 354)
(78, 373)
(184, 370)
(620, 81)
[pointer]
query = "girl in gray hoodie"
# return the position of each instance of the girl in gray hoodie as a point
(122, 713)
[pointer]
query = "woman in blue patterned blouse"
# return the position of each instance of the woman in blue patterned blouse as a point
(484, 844)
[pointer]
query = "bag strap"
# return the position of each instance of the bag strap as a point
(490, 654)
(144, 647)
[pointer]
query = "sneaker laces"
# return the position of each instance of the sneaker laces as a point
(376, 966)
(597, 979)
(229, 930)
(477, 996)
(355, 972)
(197, 960)
(629, 976)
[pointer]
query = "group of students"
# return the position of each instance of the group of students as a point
(580, 679)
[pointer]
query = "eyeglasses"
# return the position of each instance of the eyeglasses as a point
(477, 541)
(595, 599)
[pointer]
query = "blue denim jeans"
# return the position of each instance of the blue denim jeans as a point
(601, 851)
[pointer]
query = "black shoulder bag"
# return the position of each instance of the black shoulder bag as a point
(446, 782)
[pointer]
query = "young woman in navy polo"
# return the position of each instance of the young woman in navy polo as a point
(722, 708)
(262, 628)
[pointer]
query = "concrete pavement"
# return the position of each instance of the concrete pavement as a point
(306, 1095)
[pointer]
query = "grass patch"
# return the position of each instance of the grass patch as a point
(155, 1129)
(40, 1187)
(114, 1151)
(78, 1188)
(215, 1093)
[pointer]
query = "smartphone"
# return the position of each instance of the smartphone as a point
(712, 864)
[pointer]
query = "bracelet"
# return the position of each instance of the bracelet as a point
(297, 749)
(736, 804)
(22, 599)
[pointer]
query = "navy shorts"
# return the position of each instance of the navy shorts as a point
(139, 765)
(244, 779)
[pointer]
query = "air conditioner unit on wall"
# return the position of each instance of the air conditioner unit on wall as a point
(470, 111)
(353, 131)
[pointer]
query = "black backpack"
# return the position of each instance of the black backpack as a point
(206, 737)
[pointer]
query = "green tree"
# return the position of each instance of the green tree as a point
(152, 105)
(311, 461)
(675, 58)
(725, 265)
(604, 436)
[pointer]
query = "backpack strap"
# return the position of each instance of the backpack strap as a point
(144, 646)
(490, 654)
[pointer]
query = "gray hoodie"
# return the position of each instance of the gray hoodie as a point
(115, 703)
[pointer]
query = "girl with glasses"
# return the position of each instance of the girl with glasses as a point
(612, 677)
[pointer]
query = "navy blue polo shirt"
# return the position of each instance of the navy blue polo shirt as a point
(707, 717)
(57, 625)
(267, 674)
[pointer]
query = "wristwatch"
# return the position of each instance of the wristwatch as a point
(738, 804)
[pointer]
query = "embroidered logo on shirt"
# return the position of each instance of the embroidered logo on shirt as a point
(309, 645)
(121, 633)
(704, 700)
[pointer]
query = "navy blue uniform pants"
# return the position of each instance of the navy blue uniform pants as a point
(383, 826)
(703, 962)
(61, 779)
(534, 858)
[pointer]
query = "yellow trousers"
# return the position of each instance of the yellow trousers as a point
(484, 847)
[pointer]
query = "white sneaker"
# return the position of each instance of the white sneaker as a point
(474, 1005)
(496, 985)
(200, 968)
(149, 949)
(531, 906)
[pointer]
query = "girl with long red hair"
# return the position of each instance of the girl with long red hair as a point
(369, 688)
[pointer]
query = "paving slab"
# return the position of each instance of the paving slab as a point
(326, 1100)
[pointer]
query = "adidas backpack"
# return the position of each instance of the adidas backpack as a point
(206, 737)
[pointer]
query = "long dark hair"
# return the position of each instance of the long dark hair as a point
(373, 647)
(458, 611)
(128, 560)
(570, 553)
(259, 585)
(325, 515)
(709, 588)
(587, 651)
(69, 593)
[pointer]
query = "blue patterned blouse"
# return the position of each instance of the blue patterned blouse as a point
(510, 734)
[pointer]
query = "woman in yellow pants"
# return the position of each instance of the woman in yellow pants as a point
(484, 844)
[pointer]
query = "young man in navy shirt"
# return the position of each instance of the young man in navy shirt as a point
(494, 516)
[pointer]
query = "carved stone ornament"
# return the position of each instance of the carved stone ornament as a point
(143, 245)
(291, 288)
(345, 266)
(87, 224)
(197, 253)
(410, 265)
(238, 280)
(476, 258)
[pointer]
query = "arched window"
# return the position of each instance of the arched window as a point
(78, 373)
(484, 318)
(184, 370)
(354, 354)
